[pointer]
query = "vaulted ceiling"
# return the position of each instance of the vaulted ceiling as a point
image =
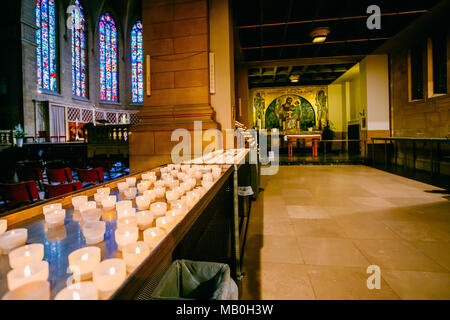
(272, 36)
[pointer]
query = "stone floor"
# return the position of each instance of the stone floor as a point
(315, 229)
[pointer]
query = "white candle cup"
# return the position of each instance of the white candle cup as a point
(189, 200)
(78, 291)
(131, 181)
(185, 167)
(173, 184)
(143, 202)
(126, 235)
(176, 214)
(202, 190)
(149, 176)
(159, 184)
(144, 219)
(122, 186)
(99, 197)
(172, 195)
(153, 236)
(159, 192)
(37, 271)
(94, 232)
(143, 186)
(134, 254)
(3, 226)
(37, 290)
(207, 184)
(55, 234)
(158, 209)
(13, 239)
(109, 202)
(198, 175)
(78, 201)
(104, 190)
(91, 215)
(207, 177)
(55, 218)
(108, 276)
(179, 205)
(166, 223)
(127, 212)
(127, 222)
(124, 204)
(170, 166)
(52, 207)
(25, 255)
(181, 175)
(130, 193)
(87, 206)
(192, 182)
(179, 190)
(151, 194)
(177, 166)
(216, 172)
(83, 261)
(185, 186)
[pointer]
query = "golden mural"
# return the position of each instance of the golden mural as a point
(288, 108)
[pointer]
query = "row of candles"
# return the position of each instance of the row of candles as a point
(177, 188)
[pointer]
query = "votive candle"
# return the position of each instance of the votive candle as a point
(89, 205)
(151, 194)
(134, 254)
(143, 186)
(83, 261)
(78, 201)
(144, 219)
(104, 190)
(159, 192)
(172, 195)
(13, 239)
(158, 209)
(130, 193)
(37, 271)
(3, 226)
(166, 223)
(91, 215)
(122, 186)
(25, 255)
(55, 218)
(123, 204)
(143, 202)
(153, 236)
(109, 202)
(131, 181)
(126, 235)
(94, 232)
(108, 276)
(78, 291)
(37, 290)
(127, 212)
(130, 221)
(52, 207)
(98, 197)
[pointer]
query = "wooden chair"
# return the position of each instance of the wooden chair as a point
(19, 193)
(91, 175)
(62, 175)
(56, 190)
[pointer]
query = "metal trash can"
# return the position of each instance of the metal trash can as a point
(196, 280)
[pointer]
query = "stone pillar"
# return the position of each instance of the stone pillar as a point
(176, 36)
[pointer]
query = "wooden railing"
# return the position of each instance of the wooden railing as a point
(108, 134)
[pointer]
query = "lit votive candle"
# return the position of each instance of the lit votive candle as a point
(122, 186)
(37, 271)
(144, 219)
(91, 215)
(207, 177)
(177, 166)
(3, 226)
(149, 176)
(108, 276)
(143, 202)
(216, 171)
(181, 175)
(173, 184)
(192, 182)
(130, 221)
(177, 215)
(87, 206)
(151, 194)
(198, 174)
(124, 204)
(26, 255)
(179, 190)
(131, 181)
(207, 184)
(127, 212)
(185, 167)
(158, 209)
(202, 190)
(178, 205)
(172, 195)
(13, 239)
(166, 223)
(130, 193)
(143, 186)
(153, 236)
(52, 207)
(98, 197)
(78, 291)
(78, 201)
(126, 235)
(185, 186)
(94, 232)
(109, 202)
(189, 200)
(134, 254)
(37, 290)
(105, 190)
(83, 261)
(159, 192)
(55, 218)
(159, 183)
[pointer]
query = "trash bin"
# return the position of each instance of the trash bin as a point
(195, 280)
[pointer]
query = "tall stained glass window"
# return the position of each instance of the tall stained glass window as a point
(46, 44)
(137, 70)
(108, 58)
(78, 52)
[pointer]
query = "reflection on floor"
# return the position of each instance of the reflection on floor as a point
(315, 229)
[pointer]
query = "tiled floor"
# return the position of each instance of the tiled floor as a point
(315, 229)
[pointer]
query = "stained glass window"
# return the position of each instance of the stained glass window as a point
(137, 70)
(108, 58)
(46, 44)
(78, 52)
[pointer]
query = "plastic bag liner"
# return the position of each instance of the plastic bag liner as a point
(195, 280)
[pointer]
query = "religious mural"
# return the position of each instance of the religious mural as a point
(288, 108)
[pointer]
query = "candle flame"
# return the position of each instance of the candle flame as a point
(27, 272)
(127, 234)
(76, 295)
(112, 270)
(138, 250)
(84, 257)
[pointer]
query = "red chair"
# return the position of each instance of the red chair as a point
(18, 193)
(59, 175)
(91, 175)
(31, 174)
(56, 190)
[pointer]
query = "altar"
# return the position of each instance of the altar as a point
(307, 136)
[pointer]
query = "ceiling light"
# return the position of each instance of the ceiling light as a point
(319, 35)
